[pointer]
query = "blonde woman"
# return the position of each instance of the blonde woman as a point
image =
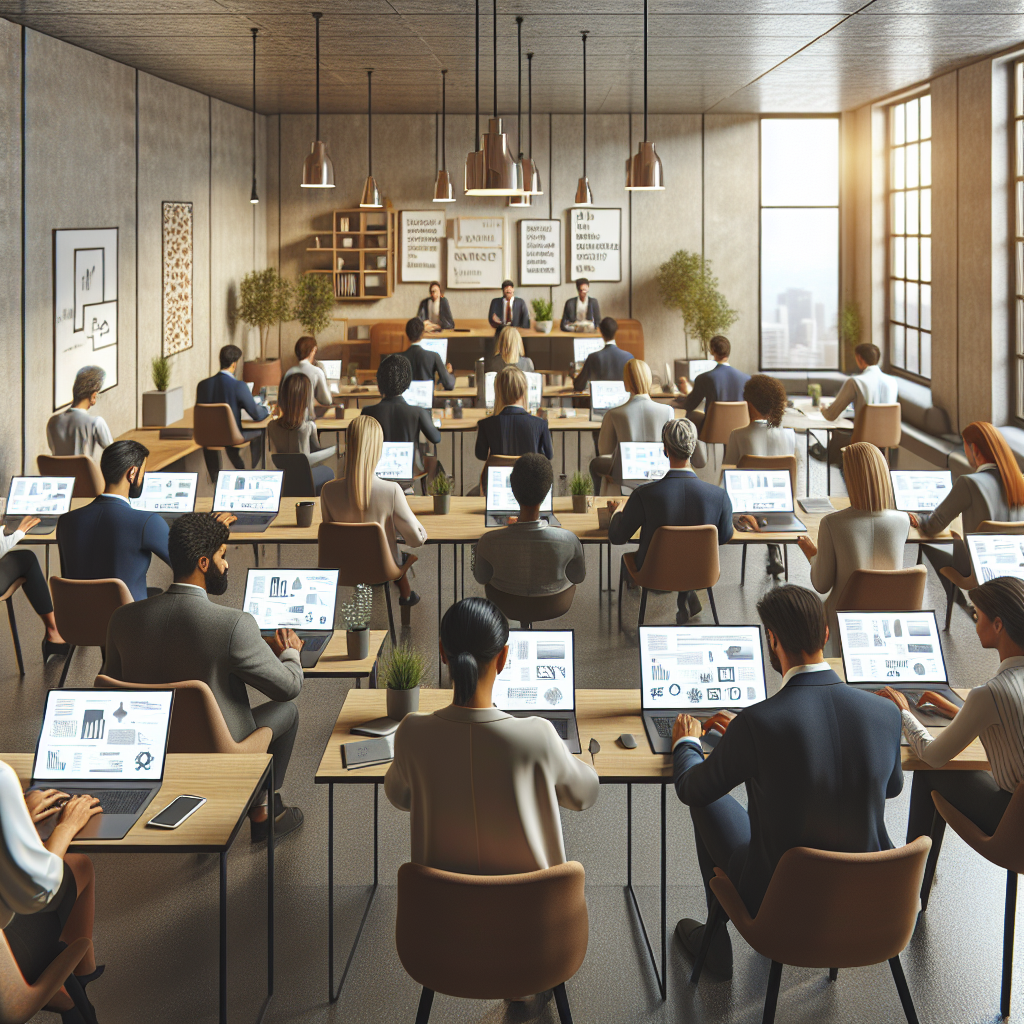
(362, 497)
(512, 430)
(508, 351)
(870, 534)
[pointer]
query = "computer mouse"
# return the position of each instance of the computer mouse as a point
(628, 740)
(762, 522)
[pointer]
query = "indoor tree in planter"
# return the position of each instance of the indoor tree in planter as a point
(314, 303)
(686, 283)
(265, 300)
(543, 310)
(401, 672)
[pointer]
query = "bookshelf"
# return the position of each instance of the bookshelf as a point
(361, 256)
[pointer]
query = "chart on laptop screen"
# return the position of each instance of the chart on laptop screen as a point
(538, 674)
(920, 490)
(642, 460)
(891, 647)
(40, 495)
(499, 491)
(167, 492)
(996, 554)
(420, 393)
(291, 598)
(607, 394)
(582, 347)
(331, 368)
(438, 345)
(759, 490)
(395, 461)
(248, 490)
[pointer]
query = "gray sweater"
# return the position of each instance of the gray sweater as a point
(530, 559)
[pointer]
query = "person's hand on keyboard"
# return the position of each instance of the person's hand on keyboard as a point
(283, 640)
(899, 699)
(75, 814)
(44, 803)
(719, 722)
(686, 725)
(28, 522)
(224, 517)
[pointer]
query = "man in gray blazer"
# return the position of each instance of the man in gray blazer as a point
(181, 635)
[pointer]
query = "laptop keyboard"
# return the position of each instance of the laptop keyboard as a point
(117, 801)
(561, 727)
(664, 726)
(251, 518)
(314, 643)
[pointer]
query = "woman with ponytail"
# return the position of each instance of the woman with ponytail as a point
(482, 787)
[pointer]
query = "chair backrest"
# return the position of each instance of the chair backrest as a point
(992, 526)
(722, 419)
(359, 551)
(1005, 847)
(884, 590)
(826, 909)
(528, 610)
(494, 460)
(83, 608)
(298, 475)
(681, 558)
(88, 478)
(491, 936)
(770, 462)
(214, 426)
(197, 722)
(20, 1001)
(878, 425)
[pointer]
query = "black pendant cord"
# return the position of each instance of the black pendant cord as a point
(529, 78)
(254, 32)
(317, 15)
(369, 121)
(495, 58)
(519, 94)
(645, 70)
(476, 123)
(444, 108)
(584, 35)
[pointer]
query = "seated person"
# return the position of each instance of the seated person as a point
(108, 539)
(399, 420)
(582, 313)
(818, 761)
(181, 634)
(320, 392)
(483, 788)
(679, 498)
(74, 431)
(47, 895)
(426, 364)
(434, 311)
(223, 387)
(528, 557)
(512, 430)
(508, 310)
(722, 384)
(362, 497)
(292, 431)
(508, 351)
(606, 363)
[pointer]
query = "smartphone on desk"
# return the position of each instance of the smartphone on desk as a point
(177, 811)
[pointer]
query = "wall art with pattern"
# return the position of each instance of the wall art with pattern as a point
(177, 277)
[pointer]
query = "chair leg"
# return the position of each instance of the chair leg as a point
(901, 986)
(1009, 920)
(716, 919)
(937, 832)
(771, 997)
(621, 581)
(785, 560)
(256, 554)
(949, 603)
(562, 1004)
(391, 615)
(643, 606)
(714, 610)
(920, 554)
(14, 635)
(833, 973)
(67, 668)
(743, 566)
(426, 1001)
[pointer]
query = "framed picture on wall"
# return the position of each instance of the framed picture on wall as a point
(595, 243)
(422, 234)
(540, 252)
(177, 299)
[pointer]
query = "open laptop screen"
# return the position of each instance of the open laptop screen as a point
(39, 495)
(540, 672)
(920, 490)
(395, 461)
(582, 347)
(248, 490)
(534, 389)
(701, 667)
(759, 490)
(891, 647)
(438, 345)
(499, 491)
(331, 368)
(291, 598)
(642, 460)
(103, 734)
(607, 394)
(996, 554)
(167, 492)
(420, 393)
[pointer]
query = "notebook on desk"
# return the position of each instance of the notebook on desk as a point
(252, 495)
(766, 494)
(170, 495)
(299, 599)
(45, 497)
(501, 502)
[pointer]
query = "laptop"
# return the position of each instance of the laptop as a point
(641, 462)
(897, 649)
(331, 368)
(420, 393)
(47, 497)
(110, 744)
(605, 395)
(501, 502)
(539, 679)
(920, 490)
(396, 459)
(170, 495)
(697, 670)
(298, 599)
(534, 390)
(996, 554)
(582, 347)
(253, 495)
(438, 345)
(766, 494)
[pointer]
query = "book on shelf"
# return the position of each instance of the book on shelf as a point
(346, 286)
(343, 223)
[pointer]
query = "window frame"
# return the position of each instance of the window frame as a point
(1016, 235)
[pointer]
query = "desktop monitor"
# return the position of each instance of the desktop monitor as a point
(499, 492)
(46, 496)
(920, 490)
(759, 490)
(582, 347)
(291, 598)
(331, 368)
(642, 460)
(395, 460)
(891, 647)
(167, 492)
(539, 674)
(248, 490)
(420, 393)
(996, 554)
(438, 345)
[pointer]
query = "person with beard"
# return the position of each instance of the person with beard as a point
(181, 634)
(819, 759)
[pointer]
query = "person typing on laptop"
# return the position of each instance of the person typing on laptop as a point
(818, 760)
(181, 634)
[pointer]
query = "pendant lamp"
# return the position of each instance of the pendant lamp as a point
(253, 197)
(475, 161)
(531, 175)
(524, 199)
(371, 194)
(443, 191)
(495, 173)
(643, 171)
(318, 170)
(584, 197)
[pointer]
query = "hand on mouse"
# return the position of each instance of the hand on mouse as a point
(749, 522)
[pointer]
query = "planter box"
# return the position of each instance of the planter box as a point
(162, 408)
(262, 374)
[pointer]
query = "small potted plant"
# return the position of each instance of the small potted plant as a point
(582, 489)
(355, 613)
(165, 405)
(441, 489)
(542, 311)
(401, 673)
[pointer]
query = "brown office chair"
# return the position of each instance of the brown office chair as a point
(878, 425)
(88, 478)
(82, 609)
(214, 427)
(948, 573)
(197, 722)
(494, 460)
(20, 1001)
(8, 598)
(491, 936)
(888, 590)
(679, 558)
(721, 419)
(528, 610)
(361, 554)
(828, 910)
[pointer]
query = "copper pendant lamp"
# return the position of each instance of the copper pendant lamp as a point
(584, 197)
(644, 171)
(443, 191)
(318, 170)
(371, 198)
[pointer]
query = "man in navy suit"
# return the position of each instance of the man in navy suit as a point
(508, 309)
(818, 760)
(722, 384)
(606, 363)
(679, 498)
(426, 364)
(223, 387)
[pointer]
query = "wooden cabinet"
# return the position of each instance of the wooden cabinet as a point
(361, 254)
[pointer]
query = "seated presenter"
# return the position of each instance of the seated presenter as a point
(435, 312)
(582, 313)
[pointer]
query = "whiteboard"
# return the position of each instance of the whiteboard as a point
(84, 307)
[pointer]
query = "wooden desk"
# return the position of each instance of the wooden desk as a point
(230, 783)
(803, 417)
(162, 453)
(336, 663)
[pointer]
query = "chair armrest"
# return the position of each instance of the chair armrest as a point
(734, 907)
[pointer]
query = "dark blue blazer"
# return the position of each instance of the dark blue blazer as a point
(444, 313)
(569, 312)
(401, 421)
(513, 431)
(679, 498)
(222, 387)
(109, 539)
(520, 317)
(722, 384)
(818, 760)
(426, 365)
(605, 364)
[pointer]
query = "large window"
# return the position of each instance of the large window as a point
(910, 237)
(799, 243)
(1018, 233)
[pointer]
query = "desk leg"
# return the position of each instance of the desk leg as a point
(828, 462)
(439, 564)
(270, 887)
(223, 1015)
(662, 976)
(807, 460)
(462, 461)
(579, 451)
(564, 443)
